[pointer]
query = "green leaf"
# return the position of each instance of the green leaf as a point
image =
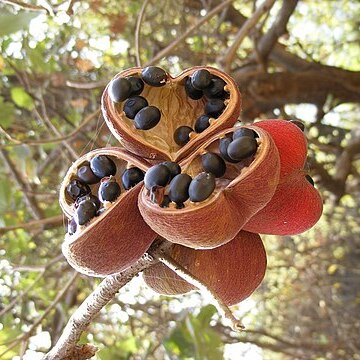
(11, 23)
(22, 98)
(7, 115)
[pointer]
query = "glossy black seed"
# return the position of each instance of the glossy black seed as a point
(131, 177)
(147, 118)
(214, 164)
(72, 226)
(157, 175)
(166, 202)
(216, 89)
(202, 123)
(174, 168)
(201, 79)
(241, 148)
(310, 180)
(109, 190)
(179, 188)
(244, 132)
(181, 135)
(119, 89)
(86, 175)
(89, 197)
(137, 85)
(102, 166)
(85, 212)
(223, 146)
(154, 76)
(133, 105)
(191, 92)
(201, 187)
(76, 189)
(299, 124)
(214, 107)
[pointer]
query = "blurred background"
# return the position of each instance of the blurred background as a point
(298, 60)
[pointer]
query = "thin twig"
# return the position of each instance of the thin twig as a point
(29, 7)
(137, 32)
(191, 279)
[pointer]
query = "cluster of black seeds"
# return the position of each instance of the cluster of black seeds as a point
(101, 170)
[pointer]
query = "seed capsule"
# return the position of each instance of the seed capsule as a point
(223, 146)
(109, 190)
(191, 92)
(181, 135)
(102, 166)
(241, 148)
(179, 188)
(154, 76)
(86, 175)
(131, 177)
(147, 118)
(244, 132)
(77, 189)
(201, 187)
(157, 175)
(85, 212)
(214, 164)
(174, 168)
(202, 123)
(137, 85)
(214, 107)
(89, 197)
(133, 105)
(216, 89)
(201, 79)
(119, 89)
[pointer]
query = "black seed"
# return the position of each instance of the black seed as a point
(201, 187)
(102, 166)
(244, 132)
(191, 92)
(166, 201)
(310, 180)
(133, 105)
(137, 85)
(223, 146)
(299, 124)
(76, 189)
(85, 211)
(119, 89)
(89, 197)
(154, 76)
(174, 168)
(157, 175)
(86, 175)
(213, 163)
(216, 89)
(242, 147)
(180, 205)
(147, 118)
(181, 135)
(201, 79)
(179, 188)
(214, 107)
(131, 177)
(202, 123)
(72, 226)
(109, 190)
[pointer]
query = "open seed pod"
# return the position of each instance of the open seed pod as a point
(146, 117)
(106, 233)
(215, 207)
(233, 271)
(296, 205)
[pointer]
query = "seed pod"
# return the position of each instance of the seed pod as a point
(77, 189)
(214, 164)
(154, 76)
(191, 92)
(201, 187)
(137, 85)
(119, 89)
(102, 166)
(109, 190)
(86, 175)
(202, 123)
(216, 89)
(201, 79)
(214, 107)
(133, 105)
(85, 212)
(157, 175)
(244, 132)
(179, 188)
(181, 135)
(132, 177)
(242, 148)
(174, 168)
(147, 118)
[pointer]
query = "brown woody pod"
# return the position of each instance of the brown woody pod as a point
(177, 109)
(233, 271)
(115, 239)
(245, 188)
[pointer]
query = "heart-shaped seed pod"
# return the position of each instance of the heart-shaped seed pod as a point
(296, 205)
(233, 271)
(106, 234)
(173, 103)
(213, 216)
